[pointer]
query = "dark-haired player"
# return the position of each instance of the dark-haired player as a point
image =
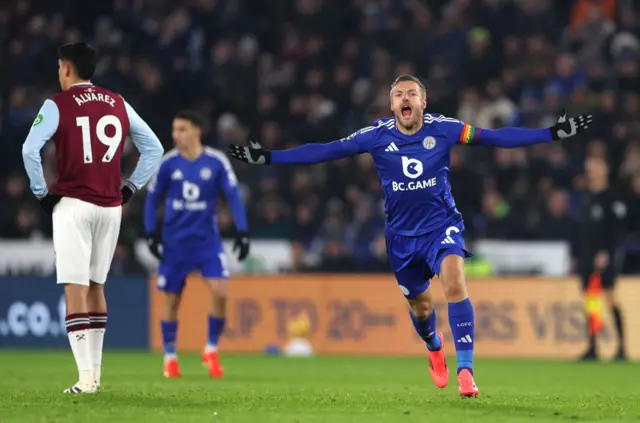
(423, 227)
(190, 179)
(88, 125)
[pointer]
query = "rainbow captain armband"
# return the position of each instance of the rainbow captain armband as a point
(469, 134)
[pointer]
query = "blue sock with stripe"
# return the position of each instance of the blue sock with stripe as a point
(426, 328)
(461, 320)
(169, 330)
(216, 327)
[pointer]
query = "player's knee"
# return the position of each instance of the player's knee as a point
(455, 290)
(76, 290)
(422, 305)
(218, 288)
(220, 296)
(452, 276)
(421, 308)
(96, 288)
(172, 305)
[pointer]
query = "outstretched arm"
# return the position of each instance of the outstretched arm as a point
(511, 137)
(304, 154)
(520, 137)
(315, 153)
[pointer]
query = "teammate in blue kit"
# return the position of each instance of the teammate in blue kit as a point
(423, 227)
(190, 178)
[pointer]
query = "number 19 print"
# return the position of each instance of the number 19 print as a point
(111, 141)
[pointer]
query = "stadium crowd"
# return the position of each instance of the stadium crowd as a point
(295, 71)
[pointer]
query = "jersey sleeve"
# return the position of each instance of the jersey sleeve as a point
(508, 137)
(147, 144)
(361, 140)
(231, 189)
(356, 143)
(44, 127)
(156, 190)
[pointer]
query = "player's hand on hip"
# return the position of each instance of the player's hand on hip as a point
(568, 127)
(155, 246)
(242, 245)
(48, 202)
(127, 193)
(254, 154)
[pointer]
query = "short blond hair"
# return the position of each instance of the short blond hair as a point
(407, 77)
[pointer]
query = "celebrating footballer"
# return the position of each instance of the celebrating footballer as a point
(424, 229)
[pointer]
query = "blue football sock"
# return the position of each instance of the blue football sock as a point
(216, 326)
(169, 331)
(461, 320)
(426, 328)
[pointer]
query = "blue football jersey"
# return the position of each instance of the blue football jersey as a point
(414, 171)
(190, 190)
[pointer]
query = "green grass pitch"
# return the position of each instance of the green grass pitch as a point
(261, 389)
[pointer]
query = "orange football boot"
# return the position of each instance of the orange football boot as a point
(466, 385)
(171, 368)
(211, 361)
(438, 364)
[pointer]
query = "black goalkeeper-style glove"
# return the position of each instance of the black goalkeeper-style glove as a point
(241, 245)
(48, 202)
(155, 245)
(568, 127)
(254, 154)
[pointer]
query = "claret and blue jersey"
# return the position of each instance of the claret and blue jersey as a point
(190, 235)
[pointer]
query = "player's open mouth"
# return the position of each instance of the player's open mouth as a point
(406, 111)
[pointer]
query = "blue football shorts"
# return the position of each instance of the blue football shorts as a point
(175, 266)
(416, 259)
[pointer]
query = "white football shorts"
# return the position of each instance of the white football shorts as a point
(84, 240)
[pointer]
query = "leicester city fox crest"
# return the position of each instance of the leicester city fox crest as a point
(205, 174)
(429, 142)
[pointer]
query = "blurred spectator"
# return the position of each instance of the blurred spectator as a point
(555, 222)
(497, 220)
(335, 258)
